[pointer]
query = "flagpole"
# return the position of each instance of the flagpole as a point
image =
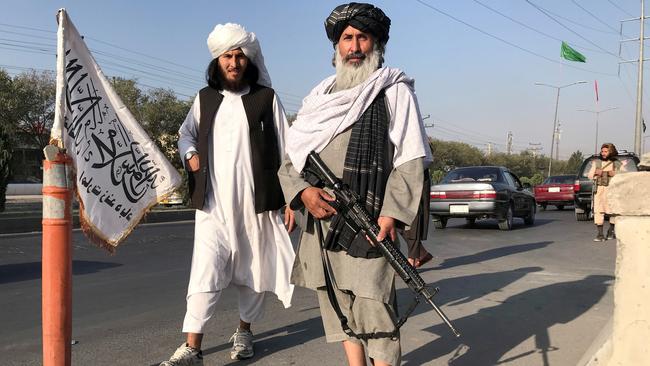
(57, 231)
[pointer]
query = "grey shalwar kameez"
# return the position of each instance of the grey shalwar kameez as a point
(364, 284)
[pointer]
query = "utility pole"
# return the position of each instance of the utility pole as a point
(535, 148)
(638, 125)
(509, 143)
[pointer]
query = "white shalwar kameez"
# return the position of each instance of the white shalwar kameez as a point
(233, 244)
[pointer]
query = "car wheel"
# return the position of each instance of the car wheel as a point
(530, 218)
(543, 206)
(506, 222)
(470, 221)
(560, 207)
(582, 216)
(440, 222)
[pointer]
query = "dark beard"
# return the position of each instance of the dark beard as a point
(231, 86)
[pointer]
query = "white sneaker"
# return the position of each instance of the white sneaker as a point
(185, 356)
(242, 345)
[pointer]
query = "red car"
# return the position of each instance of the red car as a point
(556, 190)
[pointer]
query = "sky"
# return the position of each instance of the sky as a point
(475, 62)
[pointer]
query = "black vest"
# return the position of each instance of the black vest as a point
(258, 104)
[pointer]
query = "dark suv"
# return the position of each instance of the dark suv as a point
(583, 185)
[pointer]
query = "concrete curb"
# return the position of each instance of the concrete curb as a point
(30, 221)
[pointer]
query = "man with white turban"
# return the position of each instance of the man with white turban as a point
(365, 123)
(231, 144)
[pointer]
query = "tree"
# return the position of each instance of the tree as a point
(448, 155)
(34, 94)
(131, 95)
(291, 117)
(7, 130)
(436, 176)
(162, 116)
(574, 162)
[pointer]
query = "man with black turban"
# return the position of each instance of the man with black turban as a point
(365, 123)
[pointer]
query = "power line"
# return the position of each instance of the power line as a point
(451, 130)
(29, 28)
(466, 131)
(186, 83)
(26, 42)
(508, 42)
(21, 49)
(183, 76)
(43, 48)
(535, 29)
(25, 68)
(619, 8)
(548, 14)
(468, 138)
(580, 24)
(595, 17)
(142, 54)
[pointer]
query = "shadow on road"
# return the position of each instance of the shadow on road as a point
(275, 340)
(32, 270)
(462, 290)
(492, 332)
(492, 224)
(488, 254)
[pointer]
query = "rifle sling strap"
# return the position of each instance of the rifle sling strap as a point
(329, 278)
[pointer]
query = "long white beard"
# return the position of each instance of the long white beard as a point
(350, 75)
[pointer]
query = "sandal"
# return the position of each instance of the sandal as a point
(419, 262)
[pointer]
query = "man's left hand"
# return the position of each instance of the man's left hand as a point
(387, 227)
(289, 219)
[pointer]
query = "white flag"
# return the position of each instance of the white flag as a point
(120, 173)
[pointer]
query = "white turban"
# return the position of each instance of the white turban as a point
(230, 36)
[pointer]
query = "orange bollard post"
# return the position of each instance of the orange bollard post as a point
(57, 258)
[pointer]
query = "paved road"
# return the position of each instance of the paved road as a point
(533, 296)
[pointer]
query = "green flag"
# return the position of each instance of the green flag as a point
(570, 54)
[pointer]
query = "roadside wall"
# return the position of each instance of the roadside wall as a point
(628, 342)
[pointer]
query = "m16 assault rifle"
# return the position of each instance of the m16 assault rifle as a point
(348, 205)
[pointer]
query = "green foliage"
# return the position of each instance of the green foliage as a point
(27, 107)
(536, 179)
(448, 155)
(291, 117)
(162, 115)
(7, 131)
(130, 95)
(574, 162)
(436, 176)
(34, 95)
(159, 112)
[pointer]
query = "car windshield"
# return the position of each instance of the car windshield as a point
(560, 179)
(627, 165)
(477, 174)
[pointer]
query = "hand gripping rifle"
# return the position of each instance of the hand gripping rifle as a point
(355, 214)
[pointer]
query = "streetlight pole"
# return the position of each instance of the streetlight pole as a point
(557, 102)
(597, 113)
(638, 125)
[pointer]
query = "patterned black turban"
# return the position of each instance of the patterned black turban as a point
(364, 17)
